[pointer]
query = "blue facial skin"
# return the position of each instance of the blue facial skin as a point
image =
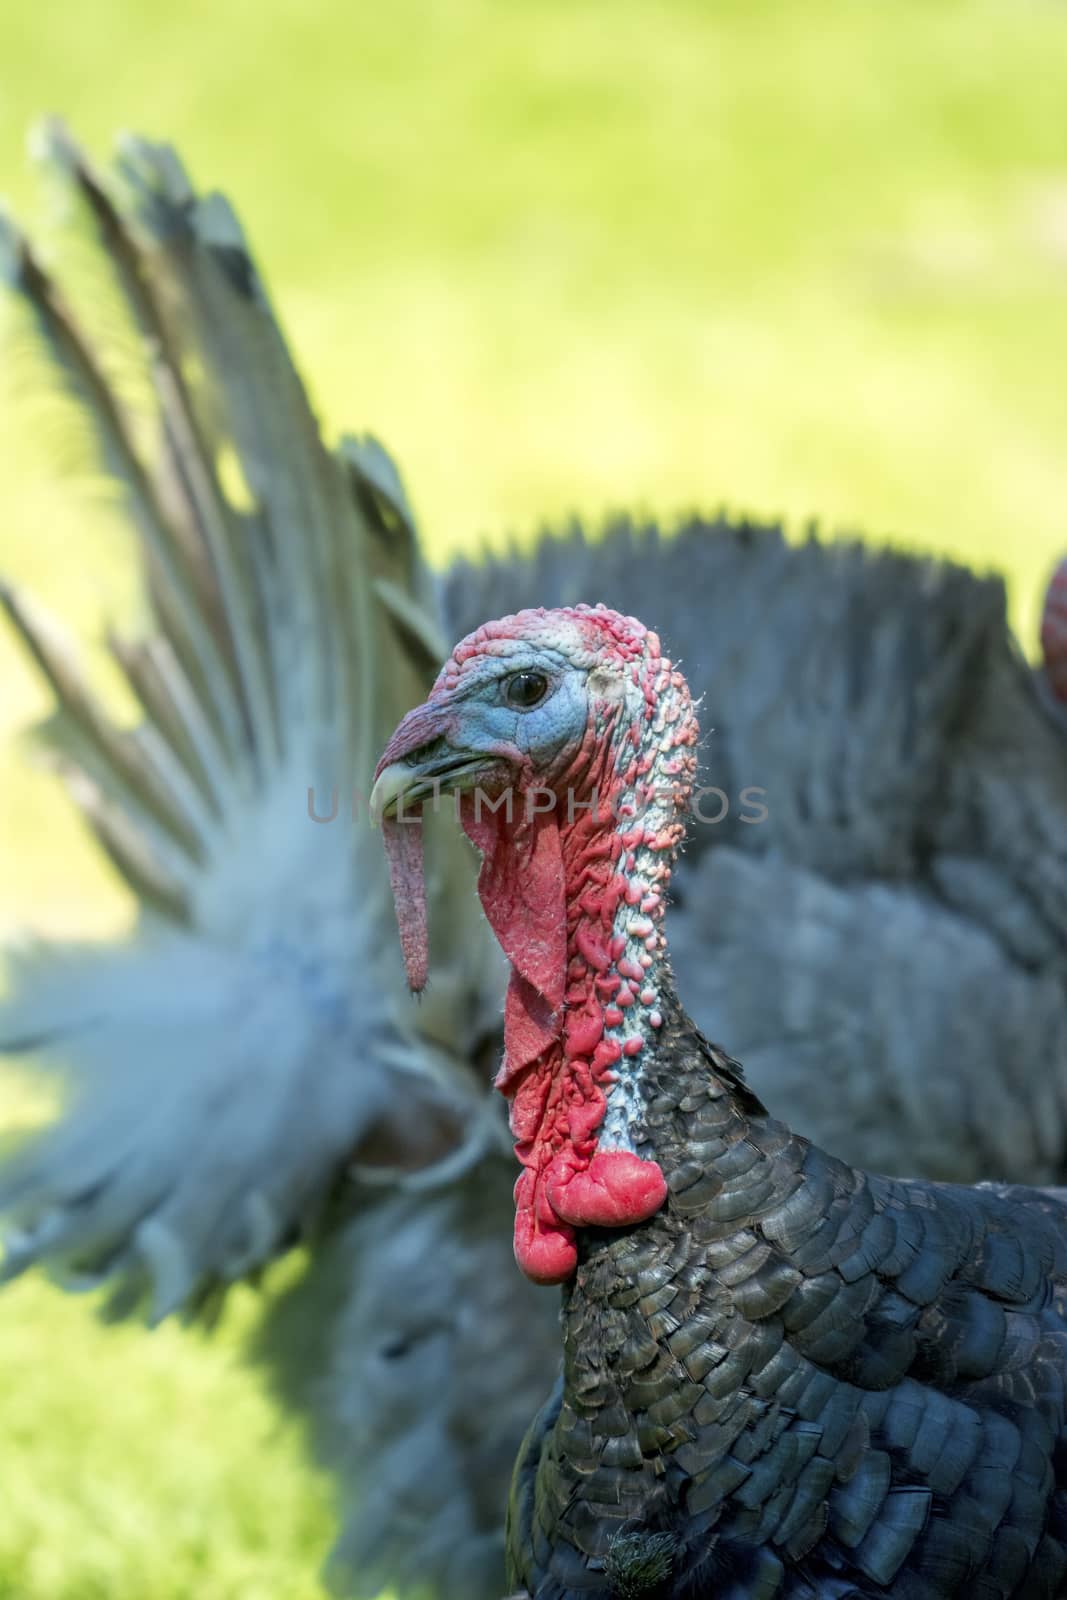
(482, 721)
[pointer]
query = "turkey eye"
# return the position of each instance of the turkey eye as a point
(525, 689)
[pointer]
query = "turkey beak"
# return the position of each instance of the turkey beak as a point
(421, 763)
(410, 783)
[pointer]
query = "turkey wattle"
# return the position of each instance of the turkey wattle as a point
(782, 1376)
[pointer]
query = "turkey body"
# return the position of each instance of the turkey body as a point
(782, 1376)
(815, 1382)
(914, 781)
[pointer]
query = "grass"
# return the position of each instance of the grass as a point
(147, 1468)
(801, 259)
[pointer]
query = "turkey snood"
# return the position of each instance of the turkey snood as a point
(783, 1378)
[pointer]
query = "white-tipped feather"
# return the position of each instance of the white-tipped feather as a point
(215, 1095)
(228, 1066)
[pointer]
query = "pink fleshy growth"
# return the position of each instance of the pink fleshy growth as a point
(583, 1032)
(403, 847)
(529, 1103)
(615, 1190)
(589, 946)
(544, 1247)
(584, 1118)
(531, 1032)
(521, 886)
(606, 1054)
(1054, 632)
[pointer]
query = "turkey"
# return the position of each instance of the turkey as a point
(782, 1376)
(246, 1071)
(915, 778)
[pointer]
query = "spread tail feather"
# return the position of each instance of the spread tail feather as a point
(254, 1037)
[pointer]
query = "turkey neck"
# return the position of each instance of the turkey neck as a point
(653, 1311)
(583, 1023)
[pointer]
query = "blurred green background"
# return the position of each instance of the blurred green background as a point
(808, 260)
